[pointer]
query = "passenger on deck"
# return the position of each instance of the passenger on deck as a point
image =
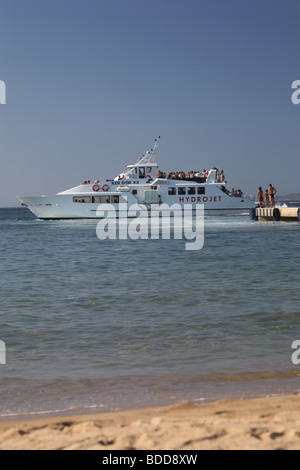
(225, 190)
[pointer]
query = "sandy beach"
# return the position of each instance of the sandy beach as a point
(263, 423)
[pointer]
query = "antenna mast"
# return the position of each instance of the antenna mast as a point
(147, 157)
(155, 145)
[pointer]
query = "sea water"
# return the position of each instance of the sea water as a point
(94, 325)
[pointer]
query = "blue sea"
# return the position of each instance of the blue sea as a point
(94, 325)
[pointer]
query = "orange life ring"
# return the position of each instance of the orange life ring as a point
(96, 188)
(105, 188)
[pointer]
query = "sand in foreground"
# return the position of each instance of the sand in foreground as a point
(264, 423)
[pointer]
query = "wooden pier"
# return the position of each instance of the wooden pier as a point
(285, 214)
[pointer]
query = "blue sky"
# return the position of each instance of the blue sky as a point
(91, 83)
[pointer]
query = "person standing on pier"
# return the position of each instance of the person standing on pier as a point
(267, 199)
(260, 197)
(272, 192)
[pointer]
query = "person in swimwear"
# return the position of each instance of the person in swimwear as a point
(272, 192)
(260, 197)
(267, 198)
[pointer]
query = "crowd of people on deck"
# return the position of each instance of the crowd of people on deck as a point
(198, 176)
(267, 197)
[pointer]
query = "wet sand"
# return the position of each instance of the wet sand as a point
(263, 423)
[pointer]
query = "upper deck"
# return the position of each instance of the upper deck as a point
(145, 172)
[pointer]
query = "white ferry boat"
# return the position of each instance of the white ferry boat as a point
(144, 184)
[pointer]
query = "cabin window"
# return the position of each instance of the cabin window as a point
(101, 199)
(134, 191)
(142, 172)
(192, 191)
(118, 200)
(181, 191)
(148, 170)
(83, 199)
(104, 199)
(201, 190)
(172, 191)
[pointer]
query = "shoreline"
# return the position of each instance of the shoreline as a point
(202, 390)
(256, 423)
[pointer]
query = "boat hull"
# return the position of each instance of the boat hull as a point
(62, 207)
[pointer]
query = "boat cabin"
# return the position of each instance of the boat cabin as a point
(146, 168)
